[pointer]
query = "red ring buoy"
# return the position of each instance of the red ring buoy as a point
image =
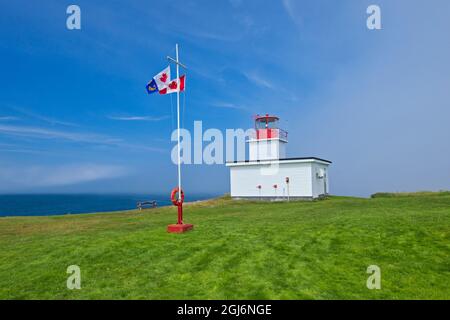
(174, 198)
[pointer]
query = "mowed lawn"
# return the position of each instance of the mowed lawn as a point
(238, 250)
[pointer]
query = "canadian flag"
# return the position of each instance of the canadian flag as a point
(176, 85)
(162, 79)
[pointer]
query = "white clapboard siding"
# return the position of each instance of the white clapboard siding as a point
(245, 177)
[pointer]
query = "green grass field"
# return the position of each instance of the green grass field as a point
(238, 250)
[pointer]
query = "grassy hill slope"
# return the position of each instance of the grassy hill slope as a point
(295, 250)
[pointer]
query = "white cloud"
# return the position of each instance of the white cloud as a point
(89, 138)
(8, 147)
(38, 132)
(228, 105)
(62, 175)
(211, 36)
(46, 119)
(18, 150)
(7, 118)
(258, 80)
(138, 118)
(290, 10)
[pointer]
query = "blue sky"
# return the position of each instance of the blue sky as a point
(75, 117)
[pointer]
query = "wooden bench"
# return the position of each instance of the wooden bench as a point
(142, 204)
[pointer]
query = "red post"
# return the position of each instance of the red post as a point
(180, 213)
(180, 227)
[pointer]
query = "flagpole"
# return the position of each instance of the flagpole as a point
(178, 124)
(180, 226)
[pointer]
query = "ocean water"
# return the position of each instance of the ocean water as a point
(57, 204)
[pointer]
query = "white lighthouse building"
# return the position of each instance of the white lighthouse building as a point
(269, 174)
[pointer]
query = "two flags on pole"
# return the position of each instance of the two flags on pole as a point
(163, 84)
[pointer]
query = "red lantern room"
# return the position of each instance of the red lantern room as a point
(269, 141)
(267, 128)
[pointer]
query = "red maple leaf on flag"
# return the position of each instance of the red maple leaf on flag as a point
(163, 77)
(173, 85)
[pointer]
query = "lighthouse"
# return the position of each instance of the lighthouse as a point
(269, 174)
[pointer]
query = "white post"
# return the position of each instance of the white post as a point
(178, 123)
